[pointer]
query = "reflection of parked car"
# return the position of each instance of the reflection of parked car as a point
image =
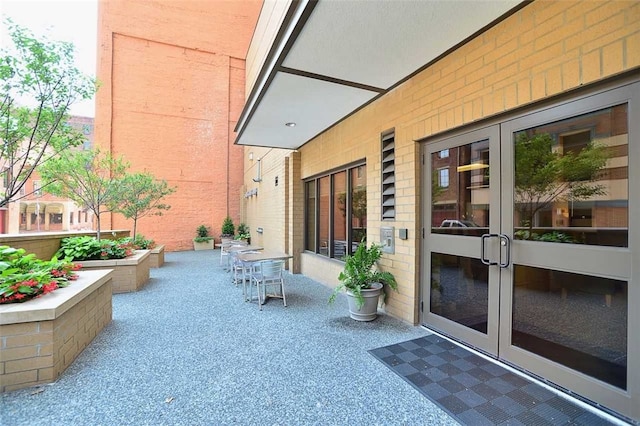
(454, 223)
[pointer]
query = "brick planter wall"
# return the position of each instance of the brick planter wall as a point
(129, 274)
(40, 338)
(156, 257)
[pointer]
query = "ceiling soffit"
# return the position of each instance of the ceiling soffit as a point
(333, 57)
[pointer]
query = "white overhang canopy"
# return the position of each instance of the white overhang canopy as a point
(332, 57)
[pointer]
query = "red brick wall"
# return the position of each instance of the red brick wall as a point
(173, 89)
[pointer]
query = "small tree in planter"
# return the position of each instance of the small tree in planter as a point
(140, 195)
(202, 241)
(362, 282)
(40, 73)
(228, 229)
(89, 178)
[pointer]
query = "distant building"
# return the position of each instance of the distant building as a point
(37, 211)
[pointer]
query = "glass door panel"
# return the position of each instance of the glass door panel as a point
(461, 298)
(460, 290)
(460, 189)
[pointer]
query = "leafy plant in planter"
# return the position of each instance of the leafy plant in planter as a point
(24, 277)
(140, 242)
(359, 276)
(243, 232)
(202, 234)
(90, 248)
(228, 228)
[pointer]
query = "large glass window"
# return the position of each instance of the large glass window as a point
(336, 219)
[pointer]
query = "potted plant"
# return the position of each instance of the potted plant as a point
(362, 282)
(228, 229)
(202, 241)
(243, 233)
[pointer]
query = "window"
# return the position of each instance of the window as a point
(443, 177)
(388, 176)
(443, 154)
(36, 188)
(336, 212)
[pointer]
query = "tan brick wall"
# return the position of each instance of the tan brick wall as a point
(45, 245)
(38, 352)
(267, 209)
(542, 50)
(130, 274)
(175, 73)
(156, 257)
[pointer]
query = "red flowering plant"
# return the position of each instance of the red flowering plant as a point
(25, 277)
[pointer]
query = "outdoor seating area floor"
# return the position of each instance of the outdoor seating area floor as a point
(476, 390)
(188, 350)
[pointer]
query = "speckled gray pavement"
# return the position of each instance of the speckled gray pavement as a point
(187, 350)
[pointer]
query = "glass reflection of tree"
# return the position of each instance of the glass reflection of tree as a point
(358, 211)
(543, 176)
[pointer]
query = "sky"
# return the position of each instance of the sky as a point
(64, 20)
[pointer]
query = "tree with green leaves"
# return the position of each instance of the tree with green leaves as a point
(141, 195)
(39, 84)
(89, 178)
(544, 176)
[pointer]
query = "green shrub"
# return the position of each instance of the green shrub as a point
(139, 242)
(228, 228)
(202, 234)
(89, 248)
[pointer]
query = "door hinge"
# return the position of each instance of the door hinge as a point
(421, 306)
(423, 233)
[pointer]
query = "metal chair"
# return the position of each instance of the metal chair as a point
(224, 254)
(268, 274)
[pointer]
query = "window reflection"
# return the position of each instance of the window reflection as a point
(577, 320)
(339, 215)
(311, 216)
(459, 290)
(460, 190)
(358, 206)
(571, 180)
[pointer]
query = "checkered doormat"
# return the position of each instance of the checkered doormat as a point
(477, 391)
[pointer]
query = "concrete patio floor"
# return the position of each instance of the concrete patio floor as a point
(187, 350)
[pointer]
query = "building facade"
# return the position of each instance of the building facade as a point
(497, 151)
(173, 87)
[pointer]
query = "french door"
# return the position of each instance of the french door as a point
(532, 226)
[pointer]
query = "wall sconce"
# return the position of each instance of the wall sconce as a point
(251, 156)
(259, 230)
(276, 180)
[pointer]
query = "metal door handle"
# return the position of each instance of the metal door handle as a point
(506, 243)
(483, 259)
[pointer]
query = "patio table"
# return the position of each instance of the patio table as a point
(249, 259)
